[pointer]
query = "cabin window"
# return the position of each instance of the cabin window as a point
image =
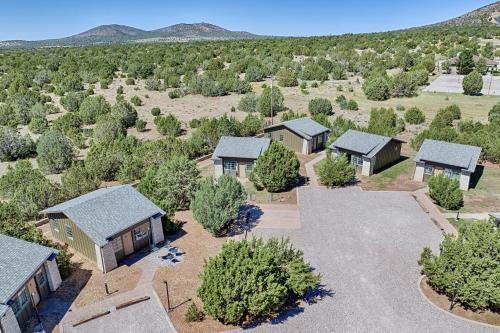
(281, 138)
(69, 231)
(230, 166)
(270, 135)
(41, 277)
(249, 167)
(117, 244)
(429, 170)
(452, 173)
(20, 301)
(56, 226)
(140, 233)
(356, 160)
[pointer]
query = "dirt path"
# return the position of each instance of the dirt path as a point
(311, 173)
(434, 213)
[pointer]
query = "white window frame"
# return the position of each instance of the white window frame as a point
(56, 225)
(41, 277)
(451, 173)
(67, 228)
(230, 166)
(249, 167)
(117, 244)
(428, 170)
(356, 160)
(139, 233)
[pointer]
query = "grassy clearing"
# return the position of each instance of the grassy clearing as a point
(485, 196)
(461, 222)
(398, 177)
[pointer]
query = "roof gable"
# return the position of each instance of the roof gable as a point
(107, 211)
(241, 147)
(448, 153)
(19, 260)
(305, 127)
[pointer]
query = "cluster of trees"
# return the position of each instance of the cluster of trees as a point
(254, 279)
(466, 269)
(378, 86)
(445, 127)
(262, 104)
(346, 104)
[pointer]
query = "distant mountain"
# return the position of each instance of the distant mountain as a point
(489, 14)
(115, 34)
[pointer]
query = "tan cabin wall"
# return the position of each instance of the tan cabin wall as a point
(290, 139)
(387, 155)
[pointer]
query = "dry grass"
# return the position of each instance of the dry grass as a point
(183, 279)
(443, 302)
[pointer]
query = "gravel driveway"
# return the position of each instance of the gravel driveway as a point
(366, 246)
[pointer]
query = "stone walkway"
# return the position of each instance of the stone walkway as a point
(430, 208)
(311, 174)
(144, 288)
(475, 216)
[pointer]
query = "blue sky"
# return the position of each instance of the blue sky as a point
(33, 19)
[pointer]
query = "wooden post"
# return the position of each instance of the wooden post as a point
(458, 216)
(168, 296)
(106, 287)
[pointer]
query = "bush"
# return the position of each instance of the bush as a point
(136, 100)
(335, 171)
(314, 85)
(126, 112)
(466, 268)
(72, 101)
(254, 74)
(254, 279)
(414, 116)
(140, 125)
(436, 133)
(176, 93)
(287, 78)
(108, 127)
(446, 192)
(152, 84)
(194, 314)
(119, 90)
(155, 111)
(352, 105)
(38, 125)
(320, 105)
(384, 122)
(13, 146)
(248, 103)
(172, 185)
(168, 125)
(76, 181)
(403, 85)
(252, 125)
(494, 114)
(377, 88)
(473, 83)
(264, 102)
(55, 152)
(92, 107)
(217, 203)
(277, 168)
(130, 81)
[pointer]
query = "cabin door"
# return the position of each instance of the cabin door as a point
(128, 244)
(33, 291)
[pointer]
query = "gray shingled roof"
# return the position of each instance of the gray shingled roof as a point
(107, 211)
(19, 260)
(367, 144)
(240, 147)
(448, 153)
(305, 127)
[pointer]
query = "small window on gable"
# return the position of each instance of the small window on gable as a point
(69, 231)
(56, 226)
(281, 138)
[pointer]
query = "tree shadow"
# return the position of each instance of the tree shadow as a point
(476, 176)
(248, 217)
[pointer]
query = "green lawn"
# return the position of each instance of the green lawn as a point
(485, 196)
(398, 177)
(461, 222)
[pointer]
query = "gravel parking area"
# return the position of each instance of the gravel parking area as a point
(366, 246)
(452, 83)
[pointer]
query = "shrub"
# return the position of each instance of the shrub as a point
(76, 181)
(217, 203)
(38, 125)
(254, 74)
(193, 314)
(140, 125)
(466, 268)
(335, 171)
(155, 111)
(252, 125)
(472, 83)
(72, 101)
(130, 81)
(290, 115)
(248, 103)
(136, 100)
(264, 103)
(176, 93)
(152, 84)
(119, 90)
(172, 185)
(314, 85)
(320, 105)
(403, 85)
(465, 63)
(277, 168)
(126, 112)
(108, 127)
(377, 88)
(92, 107)
(313, 72)
(352, 105)
(168, 125)
(384, 122)
(414, 116)
(254, 279)
(446, 192)
(14, 146)
(436, 133)
(287, 78)
(55, 152)
(494, 114)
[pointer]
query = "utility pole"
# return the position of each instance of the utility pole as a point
(168, 296)
(272, 123)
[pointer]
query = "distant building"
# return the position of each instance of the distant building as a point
(107, 225)
(302, 135)
(455, 161)
(28, 272)
(367, 152)
(237, 155)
